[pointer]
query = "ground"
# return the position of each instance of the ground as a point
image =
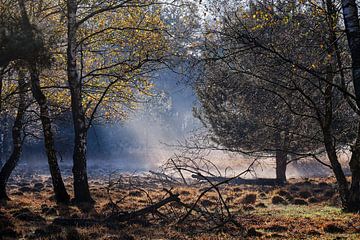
(303, 209)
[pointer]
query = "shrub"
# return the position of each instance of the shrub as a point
(261, 205)
(249, 198)
(278, 200)
(277, 228)
(329, 193)
(206, 203)
(135, 193)
(283, 193)
(305, 194)
(262, 195)
(248, 208)
(253, 233)
(294, 188)
(313, 200)
(333, 228)
(299, 201)
(324, 185)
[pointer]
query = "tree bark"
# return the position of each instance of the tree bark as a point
(352, 28)
(6, 131)
(326, 125)
(17, 139)
(1, 142)
(281, 164)
(330, 148)
(281, 155)
(1, 121)
(343, 185)
(354, 192)
(81, 186)
(61, 194)
(327, 121)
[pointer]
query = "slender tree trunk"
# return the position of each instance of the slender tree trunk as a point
(327, 121)
(281, 154)
(1, 142)
(330, 148)
(281, 164)
(354, 192)
(81, 186)
(17, 140)
(1, 121)
(343, 185)
(7, 136)
(352, 28)
(61, 194)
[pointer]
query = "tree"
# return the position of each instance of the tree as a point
(112, 49)
(34, 63)
(352, 28)
(115, 43)
(237, 111)
(30, 40)
(17, 137)
(271, 42)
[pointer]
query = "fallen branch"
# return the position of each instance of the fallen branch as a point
(164, 177)
(239, 181)
(143, 212)
(118, 217)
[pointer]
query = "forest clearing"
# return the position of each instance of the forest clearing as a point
(303, 209)
(179, 119)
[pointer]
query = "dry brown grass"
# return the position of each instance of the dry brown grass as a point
(266, 219)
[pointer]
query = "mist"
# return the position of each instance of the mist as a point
(151, 135)
(141, 142)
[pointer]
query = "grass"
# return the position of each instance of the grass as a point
(272, 222)
(315, 211)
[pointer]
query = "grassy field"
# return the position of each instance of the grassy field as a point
(303, 209)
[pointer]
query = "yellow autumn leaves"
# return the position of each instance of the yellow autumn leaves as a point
(116, 50)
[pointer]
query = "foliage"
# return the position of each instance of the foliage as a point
(265, 79)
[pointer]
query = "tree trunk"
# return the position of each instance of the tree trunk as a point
(327, 121)
(352, 28)
(1, 142)
(281, 163)
(6, 124)
(61, 194)
(343, 185)
(1, 122)
(326, 125)
(330, 148)
(354, 192)
(5, 136)
(81, 186)
(281, 154)
(17, 140)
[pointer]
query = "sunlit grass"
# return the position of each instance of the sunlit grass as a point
(317, 211)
